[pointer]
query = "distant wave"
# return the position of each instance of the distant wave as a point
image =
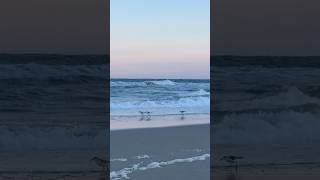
(161, 83)
(126, 83)
(133, 83)
(41, 71)
(143, 83)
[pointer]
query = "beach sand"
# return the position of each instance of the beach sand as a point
(161, 153)
(268, 172)
(267, 162)
(58, 164)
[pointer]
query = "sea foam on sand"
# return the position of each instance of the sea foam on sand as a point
(123, 173)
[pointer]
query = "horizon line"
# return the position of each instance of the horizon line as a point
(58, 54)
(265, 55)
(162, 78)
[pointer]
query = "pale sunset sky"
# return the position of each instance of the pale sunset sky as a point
(160, 39)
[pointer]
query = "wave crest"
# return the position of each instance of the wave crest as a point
(161, 83)
(143, 83)
(40, 71)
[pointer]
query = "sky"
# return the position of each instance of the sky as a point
(54, 26)
(266, 27)
(160, 39)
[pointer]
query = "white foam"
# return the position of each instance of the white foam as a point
(124, 173)
(143, 156)
(119, 159)
(142, 83)
(182, 102)
(162, 82)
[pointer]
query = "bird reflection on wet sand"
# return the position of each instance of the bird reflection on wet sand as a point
(145, 116)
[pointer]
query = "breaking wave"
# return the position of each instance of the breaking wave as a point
(161, 83)
(143, 83)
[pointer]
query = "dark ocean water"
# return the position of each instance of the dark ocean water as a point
(263, 95)
(159, 96)
(47, 98)
(267, 101)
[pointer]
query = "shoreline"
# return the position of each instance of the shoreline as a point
(162, 127)
(128, 123)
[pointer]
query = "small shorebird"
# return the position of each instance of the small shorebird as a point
(142, 115)
(182, 115)
(232, 160)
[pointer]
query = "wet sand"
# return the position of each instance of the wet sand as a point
(269, 172)
(161, 153)
(267, 162)
(51, 165)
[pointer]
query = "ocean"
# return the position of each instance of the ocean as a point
(143, 99)
(161, 97)
(266, 109)
(53, 102)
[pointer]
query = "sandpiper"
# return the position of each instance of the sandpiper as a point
(142, 115)
(182, 115)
